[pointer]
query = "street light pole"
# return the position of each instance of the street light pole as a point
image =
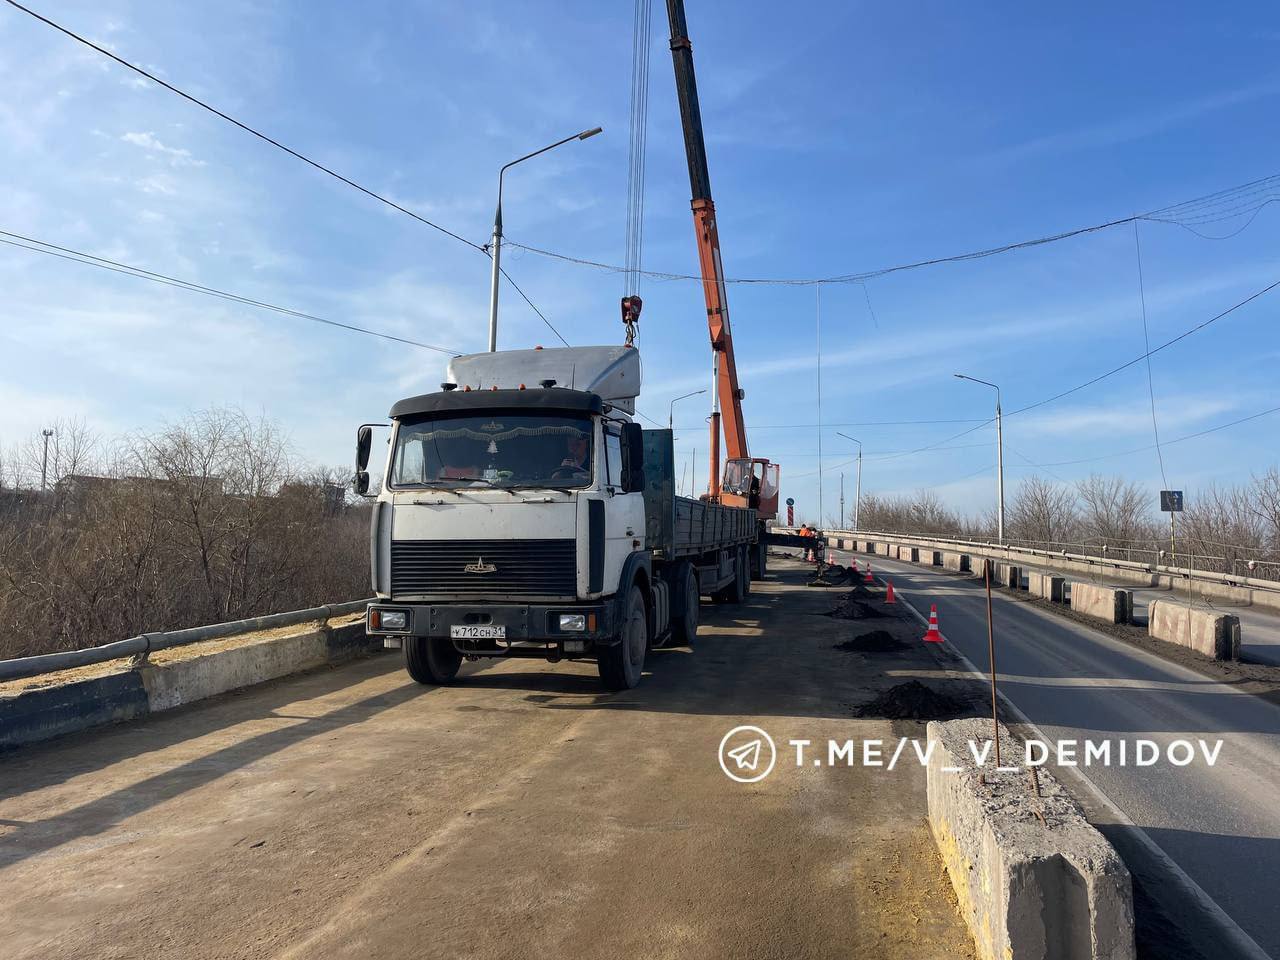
(857, 497)
(671, 409)
(495, 244)
(999, 458)
(44, 463)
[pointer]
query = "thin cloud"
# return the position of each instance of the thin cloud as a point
(177, 156)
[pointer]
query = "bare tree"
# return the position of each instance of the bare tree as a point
(1114, 511)
(1043, 512)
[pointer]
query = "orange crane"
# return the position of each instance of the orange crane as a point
(748, 481)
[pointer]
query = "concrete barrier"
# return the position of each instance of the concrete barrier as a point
(928, 558)
(1105, 603)
(883, 549)
(956, 562)
(908, 554)
(1045, 585)
(40, 708)
(1009, 575)
(1216, 635)
(1026, 888)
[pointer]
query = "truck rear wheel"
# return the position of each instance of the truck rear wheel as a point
(686, 606)
(759, 559)
(744, 570)
(621, 664)
(431, 660)
(735, 592)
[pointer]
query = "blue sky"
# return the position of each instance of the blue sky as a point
(842, 138)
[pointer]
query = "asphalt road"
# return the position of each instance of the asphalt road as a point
(1220, 824)
(521, 813)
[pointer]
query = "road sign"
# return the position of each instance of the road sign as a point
(791, 501)
(1170, 501)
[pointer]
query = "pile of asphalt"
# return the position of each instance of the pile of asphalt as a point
(913, 701)
(850, 608)
(877, 641)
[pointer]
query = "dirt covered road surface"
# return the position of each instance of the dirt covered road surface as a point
(523, 812)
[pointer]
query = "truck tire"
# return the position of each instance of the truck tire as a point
(621, 664)
(759, 560)
(734, 592)
(431, 660)
(744, 570)
(686, 606)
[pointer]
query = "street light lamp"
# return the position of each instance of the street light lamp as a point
(999, 458)
(495, 251)
(44, 463)
(671, 410)
(857, 497)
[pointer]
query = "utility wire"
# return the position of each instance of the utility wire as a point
(1081, 386)
(1146, 342)
(526, 299)
(1198, 210)
(243, 126)
(88, 259)
(1224, 204)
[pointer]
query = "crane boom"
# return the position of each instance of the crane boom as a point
(727, 394)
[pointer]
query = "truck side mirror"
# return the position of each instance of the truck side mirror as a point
(362, 482)
(364, 443)
(632, 458)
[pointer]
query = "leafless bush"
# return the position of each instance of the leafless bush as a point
(206, 520)
(1042, 511)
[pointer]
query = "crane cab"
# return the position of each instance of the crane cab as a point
(751, 482)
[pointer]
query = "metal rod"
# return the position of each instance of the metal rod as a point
(991, 655)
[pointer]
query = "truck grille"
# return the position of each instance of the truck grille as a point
(484, 568)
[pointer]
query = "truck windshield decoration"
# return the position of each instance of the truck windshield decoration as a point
(514, 450)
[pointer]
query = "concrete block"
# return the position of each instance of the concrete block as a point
(883, 549)
(41, 708)
(1008, 575)
(956, 562)
(908, 554)
(1105, 603)
(171, 685)
(1026, 888)
(1216, 635)
(1045, 585)
(929, 558)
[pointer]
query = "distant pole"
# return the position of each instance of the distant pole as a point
(857, 496)
(999, 457)
(818, 327)
(841, 524)
(44, 463)
(671, 408)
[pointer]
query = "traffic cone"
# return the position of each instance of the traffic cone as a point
(869, 578)
(933, 636)
(888, 594)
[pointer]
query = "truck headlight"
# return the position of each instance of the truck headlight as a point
(573, 622)
(395, 619)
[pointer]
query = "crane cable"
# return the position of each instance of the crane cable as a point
(641, 33)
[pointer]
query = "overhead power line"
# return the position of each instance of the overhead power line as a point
(1245, 199)
(1242, 200)
(242, 125)
(88, 259)
(1078, 387)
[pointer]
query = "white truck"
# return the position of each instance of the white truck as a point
(523, 513)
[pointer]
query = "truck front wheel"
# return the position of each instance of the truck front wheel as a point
(621, 664)
(431, 660)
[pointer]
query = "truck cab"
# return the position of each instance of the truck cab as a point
(510, 521)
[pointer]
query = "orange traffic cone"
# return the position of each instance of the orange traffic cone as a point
(933, 636)
(869, 578)
(888, 594)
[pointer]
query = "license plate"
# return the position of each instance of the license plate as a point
(477, 631)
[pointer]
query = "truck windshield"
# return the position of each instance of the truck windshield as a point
(494, 450)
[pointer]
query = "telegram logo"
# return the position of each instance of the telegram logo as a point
(747, 754)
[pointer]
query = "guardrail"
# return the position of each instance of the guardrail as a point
(1186, 573)
(143, 645)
